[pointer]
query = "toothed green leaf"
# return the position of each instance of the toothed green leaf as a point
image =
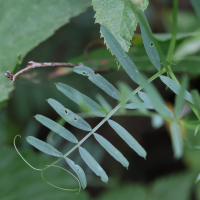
(92, 163)
(43, 146)
(81, 99)
(119, 17)
(79, 171)
(69, 116)
(98, 80)
(111, 150)
(125, 135)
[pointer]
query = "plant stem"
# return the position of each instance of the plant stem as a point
(174, 32)
(107, 117)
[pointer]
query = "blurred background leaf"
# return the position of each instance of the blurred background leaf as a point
(34, 21)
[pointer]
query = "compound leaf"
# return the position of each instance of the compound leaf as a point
(98, 80)
(92, 163)
(81, 99)
(111, 150)
(79, 171)
(69, 116)
(57, 128)
(43, 146)
(125, 135)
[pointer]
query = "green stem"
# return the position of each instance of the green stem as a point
(107, 117)
(174, 32)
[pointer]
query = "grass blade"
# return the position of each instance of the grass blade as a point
(121, 55)
(111, 150)
(93, 164)
(125, 135)
(98, 80)
(57, 128)
(148, 43)
(179, 100)
(79, 171)
(69, 116)
(43, 146)
(175, 87)
(81, 99)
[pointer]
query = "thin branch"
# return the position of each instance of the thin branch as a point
(32, 65)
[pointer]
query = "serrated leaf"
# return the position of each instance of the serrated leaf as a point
(106, 106)
(119, 17)
(111, 150)
(81, 99)
(57, 128)
(79, 171)
(157, 121)
(175, 87)
(176, 140)
(179, 100)
(121, 55)
(69, 116)
(92, 163)
(148, 43)
(155, 99)
(98, 80)
(125, 135)
(196, 99)
(24, 24)
(43, 146)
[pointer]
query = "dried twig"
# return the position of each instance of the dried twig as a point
(32, 65)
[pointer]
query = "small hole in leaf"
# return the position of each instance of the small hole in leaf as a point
(95, 73)
(66, 111)
(151, 44)
(75, 118)
(83, 73)
(78, 169)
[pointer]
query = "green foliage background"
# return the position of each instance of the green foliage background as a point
(36, 30)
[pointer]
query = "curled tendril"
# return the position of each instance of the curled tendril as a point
(72, 190)
(22, 156)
